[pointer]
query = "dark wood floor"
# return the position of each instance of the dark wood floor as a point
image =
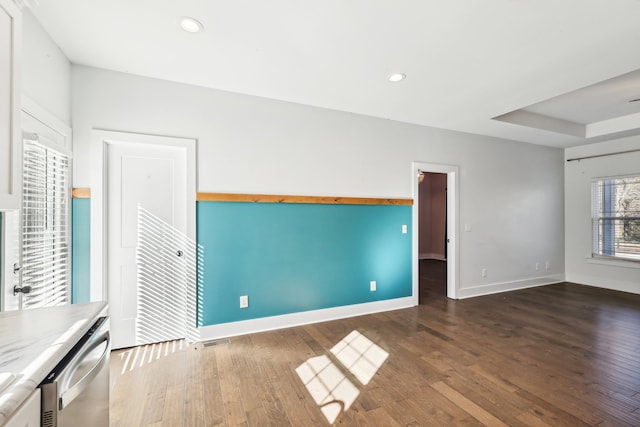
(433, 280)
(558, 355)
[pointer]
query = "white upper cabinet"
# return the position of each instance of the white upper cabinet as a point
(10, 131)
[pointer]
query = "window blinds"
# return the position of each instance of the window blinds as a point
(615, 215)
(45, 226)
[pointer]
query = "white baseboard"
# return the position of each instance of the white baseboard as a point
(431, 255)
(225, 330)
(494, 288)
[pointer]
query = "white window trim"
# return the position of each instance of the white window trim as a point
(612, 260)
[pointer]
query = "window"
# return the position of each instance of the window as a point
(45, 225)
(615, 215)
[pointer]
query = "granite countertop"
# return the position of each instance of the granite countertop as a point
(32, 342)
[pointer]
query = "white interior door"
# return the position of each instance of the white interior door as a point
(153, 178)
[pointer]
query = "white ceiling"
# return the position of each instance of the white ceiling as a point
(466, 61)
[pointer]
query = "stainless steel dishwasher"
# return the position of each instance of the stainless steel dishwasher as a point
(76, 392)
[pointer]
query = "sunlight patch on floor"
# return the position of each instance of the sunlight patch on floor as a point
(137, 357)
(328, 385)
(360, 356)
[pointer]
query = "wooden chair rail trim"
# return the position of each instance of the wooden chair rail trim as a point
(81, 193)
(327, 200)
(85, 193)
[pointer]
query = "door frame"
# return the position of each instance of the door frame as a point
(453, 252)
(101, 139)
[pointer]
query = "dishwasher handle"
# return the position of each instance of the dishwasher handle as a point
(68, 394)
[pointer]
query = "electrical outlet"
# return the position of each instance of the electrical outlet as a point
(537, 266)
(404, 228)
(373, 286)
(484, 272)
(547, 265)
(244, 301)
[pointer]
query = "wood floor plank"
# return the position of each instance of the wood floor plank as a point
(388, 409)
(213, 405)
(467, 405)
(276, 414)
(530, 419)
(296, 402)
(173, 414)
(121, 412)
(432, 408)
(194, 398)
(379, 417)
(493, 399)
(554, 410)
(497, 379)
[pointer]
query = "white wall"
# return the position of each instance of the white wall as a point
(510, 193)
(46, 71)
(580, 267)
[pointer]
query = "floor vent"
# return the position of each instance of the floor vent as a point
(216, 342)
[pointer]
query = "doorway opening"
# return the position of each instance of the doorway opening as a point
(432, 232)
(435, 224)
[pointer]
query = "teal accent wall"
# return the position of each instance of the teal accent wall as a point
(287, 258)
(292, 258)
(80, 250)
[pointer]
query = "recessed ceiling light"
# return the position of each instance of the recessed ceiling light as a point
(396, 77)
(191, 25)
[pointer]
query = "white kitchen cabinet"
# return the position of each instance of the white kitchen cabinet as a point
(10, 131)
(28, 414)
